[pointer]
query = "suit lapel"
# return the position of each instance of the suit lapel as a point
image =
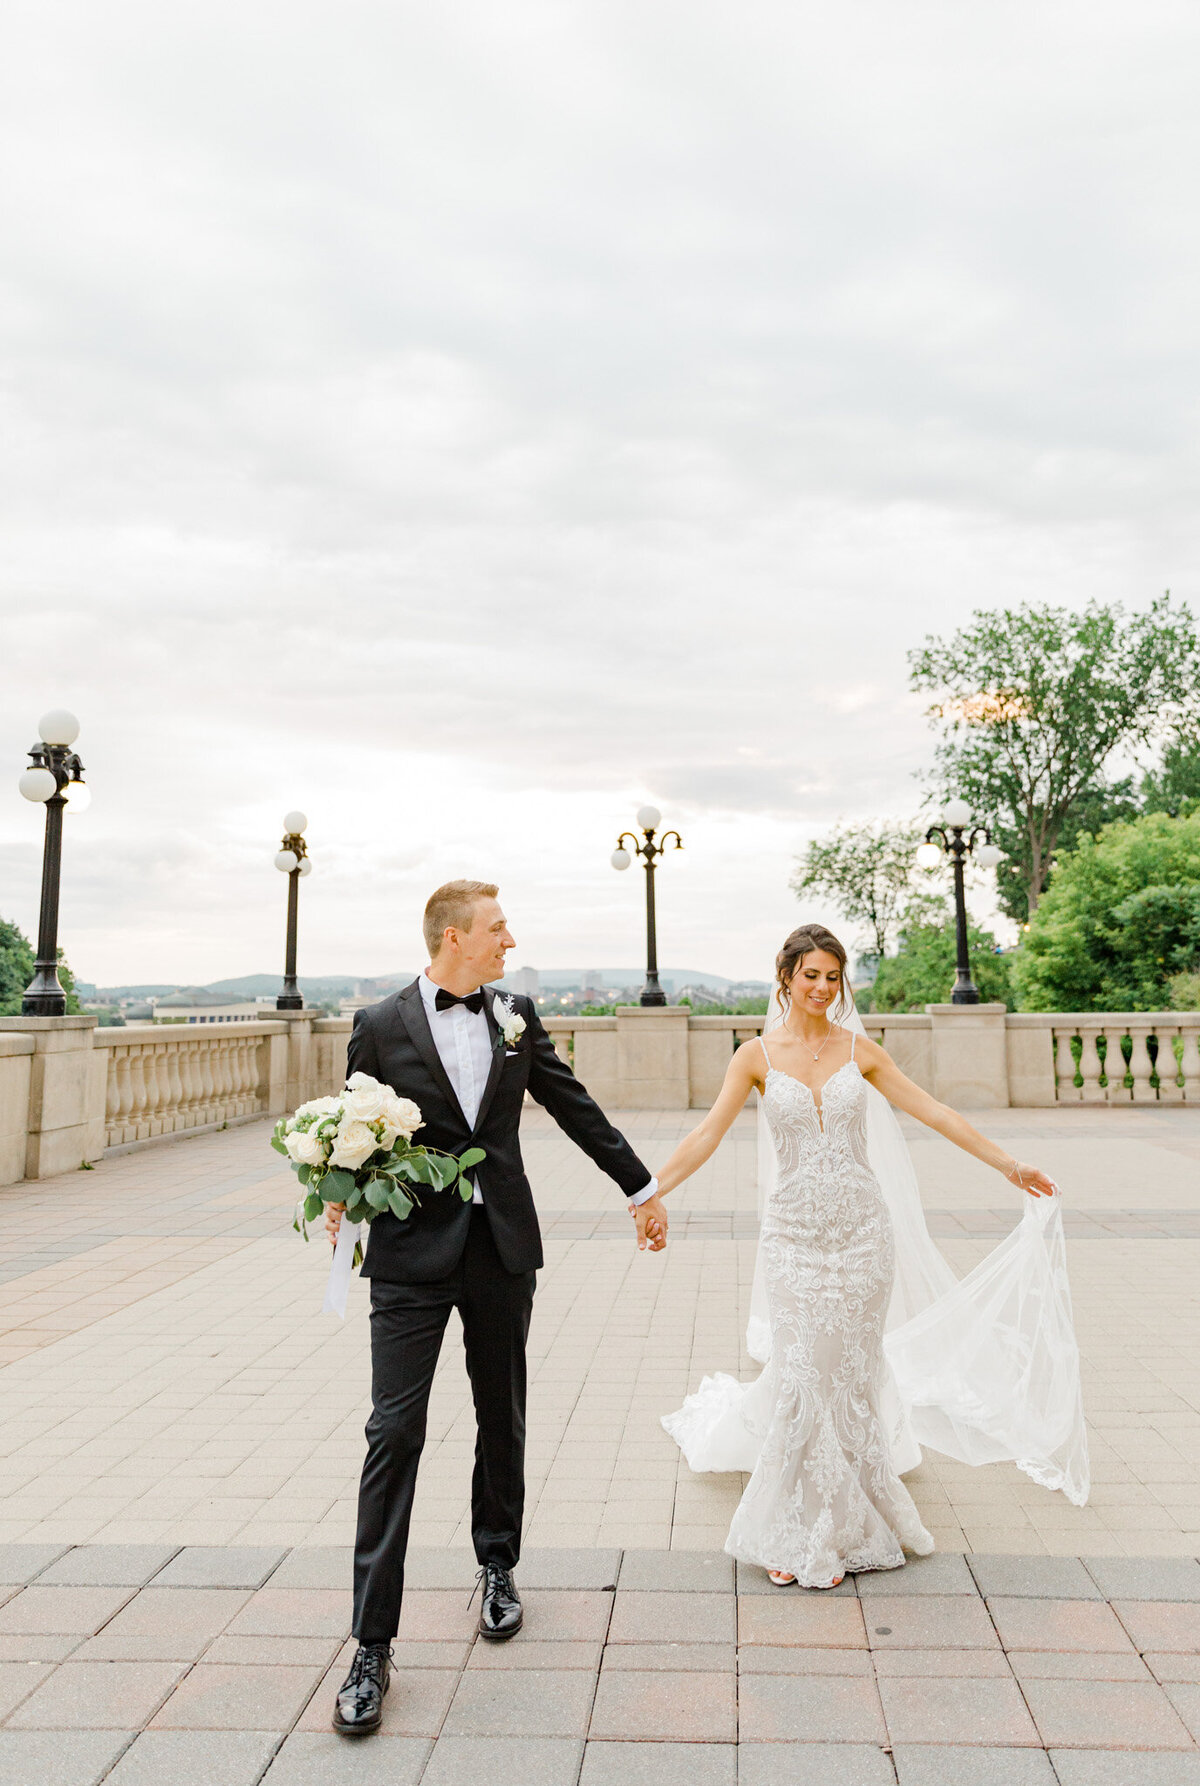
(497, 1066)
(411, 1007)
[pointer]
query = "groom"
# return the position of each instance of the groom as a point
(438, 1042)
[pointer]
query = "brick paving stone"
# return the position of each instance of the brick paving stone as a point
(1048, 1578)
(308, 1759)
(679, 1571)
(221, 1566)
(1146, 1578)
(933, 1710)
(557, 1702)
(1152, 1624)
(79, 1610)
(108, 1565)
(1078, 1665)
(955, 1664)
(929, 1621)
(1109, 1767)
(328, 1566)
(776, 1708)
(941, 1573)
(434, 1614)
(792, 1620)
(39, 1646)
(17, 1681)
(504, 1761)
(214, 1696)
(767, 1658)
(529, 1652)
(1166, 1665)
(416, 1703)
(1057, 1625)
(1112, 1714)
(943, 1765)
(711, 1658)
(97, 1696)
(662, 1707)
(295, 1612)
(195, 1758)
(555, 1614)
(20, 1563)
(659, 1764)
(1185, 1697)
(295, 1652)
(813, 1764)
(165, 1624)
(425, 1566)
(59, 1757)
(639, 1617)
(753, 1580)
(542, 1567)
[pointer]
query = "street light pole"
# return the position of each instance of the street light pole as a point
(293, 860)
(947, 840)
(55, 769)
(649, 818)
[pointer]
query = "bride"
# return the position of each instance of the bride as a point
(985, 1369)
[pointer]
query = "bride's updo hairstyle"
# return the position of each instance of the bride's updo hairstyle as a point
(800, 943)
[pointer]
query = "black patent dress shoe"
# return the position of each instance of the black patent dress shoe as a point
(358, 1709)
(500, 1613)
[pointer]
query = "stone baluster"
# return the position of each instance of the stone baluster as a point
(1167, 1066)
(204, 1110)
(562, 1044)
(1140, 1064)
(1064, 1066)
(241, 1074)
(1090, 1066)
(169, 1071)
(152, 1059)
(229, 1083)
(189, 1073)
(1190, 1064)
(137, 1114)
(119, 1097)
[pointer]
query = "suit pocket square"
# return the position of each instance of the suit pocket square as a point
(511, 1053)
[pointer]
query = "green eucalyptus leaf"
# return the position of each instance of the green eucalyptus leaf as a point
(471, 1158)
(313, 1207)
(400, 1205)
(465, 1191)
(338, 1186)
(377, 1193)
(303, 1173)
(278, 1145)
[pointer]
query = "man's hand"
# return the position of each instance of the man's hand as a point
(333, 1220)
(651, 1220)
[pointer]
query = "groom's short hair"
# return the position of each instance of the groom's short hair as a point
(452, 905)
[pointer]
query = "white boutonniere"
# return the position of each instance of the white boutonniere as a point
(509, 1023)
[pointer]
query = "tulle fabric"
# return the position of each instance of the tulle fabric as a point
(984, 1369)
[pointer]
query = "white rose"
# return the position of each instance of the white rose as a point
(364, 1102)
(304, 1147)
(402, 1115)
(318, 1107)
(353, 1145)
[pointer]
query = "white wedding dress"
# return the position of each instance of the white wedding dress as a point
(864, 1363)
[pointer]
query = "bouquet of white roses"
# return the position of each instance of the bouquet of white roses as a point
(357, 1149)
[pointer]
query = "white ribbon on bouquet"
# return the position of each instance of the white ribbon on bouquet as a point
(337, 1287)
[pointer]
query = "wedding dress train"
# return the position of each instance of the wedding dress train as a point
(984, 1369)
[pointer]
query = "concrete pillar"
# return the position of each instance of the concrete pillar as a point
(59, 1123)
(595, 1061)
(300, 1083)
(16, 1071)
(970, 1057)
(1030, 1044)
(652, 1057)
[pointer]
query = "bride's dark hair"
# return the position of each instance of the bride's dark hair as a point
(800, 943)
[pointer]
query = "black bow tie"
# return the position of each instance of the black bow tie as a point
(444, 1000)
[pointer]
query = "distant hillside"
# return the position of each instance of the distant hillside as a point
(333, 986)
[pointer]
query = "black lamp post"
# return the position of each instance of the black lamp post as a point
(294, 861)
(649, 818)
(947, 839)
(55, 778)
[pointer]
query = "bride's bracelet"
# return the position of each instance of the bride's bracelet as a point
(1014, 1174)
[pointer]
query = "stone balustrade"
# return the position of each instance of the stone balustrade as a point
(69, 1091)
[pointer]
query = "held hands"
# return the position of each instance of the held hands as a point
(650, 1218)
(1028, 1178)
(333, 1220)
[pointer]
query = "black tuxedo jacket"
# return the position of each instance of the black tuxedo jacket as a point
(392, 1042)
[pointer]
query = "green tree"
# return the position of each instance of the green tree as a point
(869, 870)
(1120, 921)
(16, 971)
(1032, 705)
(1174, 786)
(922, 971)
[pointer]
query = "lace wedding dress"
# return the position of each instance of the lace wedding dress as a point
(824, 1497)
(869, 1355)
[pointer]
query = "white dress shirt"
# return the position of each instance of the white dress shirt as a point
(464, 1044)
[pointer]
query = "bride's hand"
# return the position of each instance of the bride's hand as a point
(333, 1220)
(1028, 1178)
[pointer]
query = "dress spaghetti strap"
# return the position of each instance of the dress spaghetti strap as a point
(763, 1043)
(853, 1040)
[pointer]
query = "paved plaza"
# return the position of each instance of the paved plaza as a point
(182, 1435)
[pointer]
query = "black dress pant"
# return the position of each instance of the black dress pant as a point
(407, 1324)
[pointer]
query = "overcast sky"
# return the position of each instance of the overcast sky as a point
(466, 421)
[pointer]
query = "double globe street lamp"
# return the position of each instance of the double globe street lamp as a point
(293, 860)
(54, 779)
(947, 839)
(649, 818)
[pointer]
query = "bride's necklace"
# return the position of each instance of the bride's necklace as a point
(804, 1044)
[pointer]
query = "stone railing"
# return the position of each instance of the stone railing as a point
(70, 1091)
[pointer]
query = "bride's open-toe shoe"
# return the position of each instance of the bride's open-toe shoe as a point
(780, 1578)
